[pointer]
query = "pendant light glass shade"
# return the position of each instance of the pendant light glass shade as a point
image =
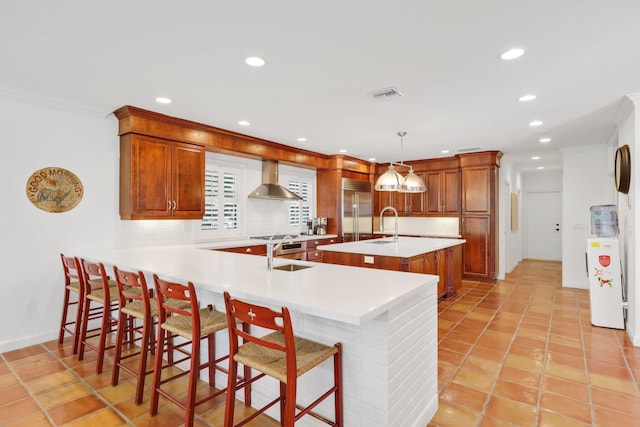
(391, 180)
(414, 184)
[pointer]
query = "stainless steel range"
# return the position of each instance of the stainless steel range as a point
(295, 250)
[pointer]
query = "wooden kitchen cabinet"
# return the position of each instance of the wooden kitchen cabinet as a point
(444, 263)
(160, 178)
(443, 192)
(249, 250)
(313, 254)
(479, 214)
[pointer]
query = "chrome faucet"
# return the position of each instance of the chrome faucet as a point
(271, 248)
(390, 208)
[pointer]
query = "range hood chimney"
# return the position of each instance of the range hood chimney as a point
(270, 189)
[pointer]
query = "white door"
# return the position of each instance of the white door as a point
(544, 218)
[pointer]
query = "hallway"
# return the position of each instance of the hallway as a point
(523, 352)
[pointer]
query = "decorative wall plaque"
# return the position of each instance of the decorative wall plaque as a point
(54, 189)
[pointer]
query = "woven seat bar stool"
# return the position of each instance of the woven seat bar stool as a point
(134, 302)
(72, 285)
(280, 355)
(102, 292)
(192, 324)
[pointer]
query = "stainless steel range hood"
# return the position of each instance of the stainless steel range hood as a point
(270, 189)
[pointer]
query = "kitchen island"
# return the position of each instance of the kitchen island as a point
(438, 256)
(385, 320)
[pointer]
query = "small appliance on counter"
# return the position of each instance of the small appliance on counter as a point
(320, 226)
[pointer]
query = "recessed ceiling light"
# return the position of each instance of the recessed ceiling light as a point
(244, 123)
(535, 123)
(342, 150)
(545, 140)
(255, 61)
(540, 168)
(163, 100)
(372, 159)
(535, 158)
(512, 54)
(302, 139)
(444, 151)
(527, 98)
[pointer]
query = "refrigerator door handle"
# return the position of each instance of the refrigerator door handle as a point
(356, 214)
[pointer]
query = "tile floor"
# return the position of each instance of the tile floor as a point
(520, 352)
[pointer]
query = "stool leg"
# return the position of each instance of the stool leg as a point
(77, 329)
(193, 381)
(83, 333)
(337, 377)
(289, 403)
(211, 344)
(142, 364)
(106, 325)
(63, 322)
(232, 378)
(117, 354)
(157, 371)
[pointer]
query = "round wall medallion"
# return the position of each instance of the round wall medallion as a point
(54, 189)
(623, 169)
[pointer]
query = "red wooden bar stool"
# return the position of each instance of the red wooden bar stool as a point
(134, 303)
(72, 284)
(280, 355)
(100, 290)
(193, 324)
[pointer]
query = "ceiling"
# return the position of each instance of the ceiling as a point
(324, 58)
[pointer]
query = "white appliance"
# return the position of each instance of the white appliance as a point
(605, 282)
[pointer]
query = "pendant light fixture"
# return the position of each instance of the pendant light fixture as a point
(391, 180)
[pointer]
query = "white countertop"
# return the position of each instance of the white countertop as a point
(345, 294)
(404, 247)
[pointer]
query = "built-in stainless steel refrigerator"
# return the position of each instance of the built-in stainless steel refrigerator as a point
(357, 210)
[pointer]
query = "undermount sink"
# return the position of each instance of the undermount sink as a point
(380, 242)
(291, 267)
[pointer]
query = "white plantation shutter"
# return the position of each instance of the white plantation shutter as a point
(300, 210)
(230, 201)
(221, 201)
(210, 217)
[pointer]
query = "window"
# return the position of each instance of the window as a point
(300, 210)
(221, 199)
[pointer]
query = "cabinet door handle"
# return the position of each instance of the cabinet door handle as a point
(174, 205)
(168, 204)
(248, 249)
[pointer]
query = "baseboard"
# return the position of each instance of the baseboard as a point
(428, 413)
(575, 285)
(26, 341)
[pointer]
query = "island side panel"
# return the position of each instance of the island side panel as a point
(413, 352)
(390, 369)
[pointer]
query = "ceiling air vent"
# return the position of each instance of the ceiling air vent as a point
(469, 150)
(386, 93)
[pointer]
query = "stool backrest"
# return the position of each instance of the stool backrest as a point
(132, 287)
(72, 270)
(264, 317)
(95, 277)
(166, 291)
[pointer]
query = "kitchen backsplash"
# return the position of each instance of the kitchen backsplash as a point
(421, 226)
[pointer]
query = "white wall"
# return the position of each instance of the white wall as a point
(510, 241)
(586, 182)
(39, 133)
(628, 215)
(37, 136)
